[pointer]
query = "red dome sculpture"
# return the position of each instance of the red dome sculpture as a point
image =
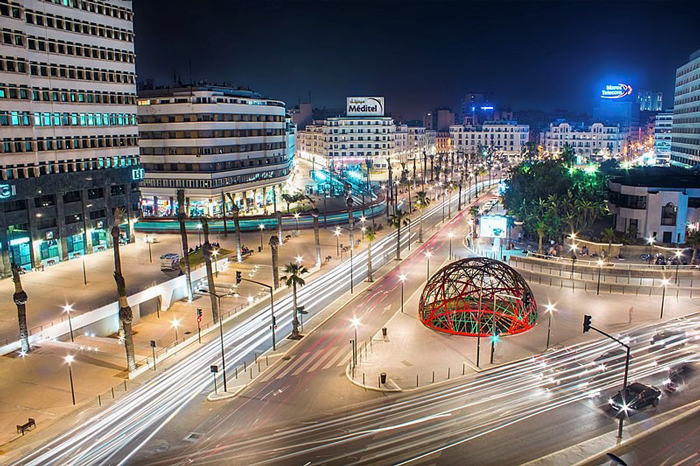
(476, 296)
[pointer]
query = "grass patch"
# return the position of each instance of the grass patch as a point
(197, 258)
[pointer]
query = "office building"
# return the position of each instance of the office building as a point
(70, 157)
(663, 124)
(616, 106)
(650, 101)
(221, 144)
(439, 120)
(593, 142)
(685, 136)
(506, 137)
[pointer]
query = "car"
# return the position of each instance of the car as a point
(668, 337)
(565, 373)
(636, 396)
(611, 358)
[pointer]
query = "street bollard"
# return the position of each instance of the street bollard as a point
(448, 373)
(433, 376)
(112, 392)
(382, 378)
(236, 371)
(384, 332)
(125, 389)
(256, 357)
(258, 366)
(363, 378)
(379, 382)
(251, 373)
(245, 368)
(267, 362)
(99, 400)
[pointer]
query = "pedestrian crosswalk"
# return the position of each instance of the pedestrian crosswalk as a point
(310, 361)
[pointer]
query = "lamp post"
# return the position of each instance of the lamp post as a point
(664, 283)
(69, 360)
(600, 267)
(150, 254)
(651, 240)
(427, 265)
(352, 290)
(67, 309)
(199, 233)
(402, 279)
(450, 235)
(679, 254)
(296, 219)
(262, 228)
(84, 271)
(221, 330)
(494, 339)
(337, 241)
(550, 311)
(355, 322)
(175, 323)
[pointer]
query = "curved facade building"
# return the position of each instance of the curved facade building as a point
(220, 144)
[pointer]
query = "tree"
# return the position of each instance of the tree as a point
(422, 202)
(20, 299)
(235, 211)
(288, 198)
(274, 244)
(207, 252)
(370, 234)
(399, 219)
(450, 189)
(568, 155)
(609, 235)
(694, 242)
(293, 278)
(315, 214)
(181, 217)
(126, 315)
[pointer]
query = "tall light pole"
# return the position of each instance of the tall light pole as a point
(199, 234)
(450, 235)
(550, 311)
(679, 254)
(352, 290)
(665, 284)
(600, 267)
(494, 340)
(69, 360)
(651, 240)
(262, 227)
(402, 278)
(355, 322)
(221, 329)
(84, 271)
(296, 219)
(215, 253)
(67, 309)
(427, 265)
(175, 324)
(149, 240)
(337, 241)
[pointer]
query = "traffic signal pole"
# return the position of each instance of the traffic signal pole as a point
(586, 327)
(239, 279)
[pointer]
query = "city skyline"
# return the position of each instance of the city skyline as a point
(571, 51)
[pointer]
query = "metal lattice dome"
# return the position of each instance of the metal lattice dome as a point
(476, 296)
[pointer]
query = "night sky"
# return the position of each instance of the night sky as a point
(419, 54)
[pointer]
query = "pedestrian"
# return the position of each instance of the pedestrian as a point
(629, 315)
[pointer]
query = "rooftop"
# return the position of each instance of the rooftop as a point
(658, 177)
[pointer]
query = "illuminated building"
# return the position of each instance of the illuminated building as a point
(617, 107)
(220, 144)
(69, 134)
(590, 142)
(507, 137)
(685, 140)
(663, 124)
(650, 101)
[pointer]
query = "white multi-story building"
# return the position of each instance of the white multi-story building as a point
(590, 142)
(685, 140)
(220, 144)
(69, 149)
(507, 137)
(411, 141)
(663, 124)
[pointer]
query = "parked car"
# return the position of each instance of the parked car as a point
(636, 396)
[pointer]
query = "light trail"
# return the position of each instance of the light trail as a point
(146, 410)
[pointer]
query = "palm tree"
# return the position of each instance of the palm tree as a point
(399, 219)
(568, 155)
(389, 189)
(182, 216)
(274, 244)
(450, 188)
(315, 213)
(370, 234)
(235, 211)
(20, 299)
(207, 252)
(694, 242)
(541, 227)
(126, 316)
(293, 278)
(609, 235)
(422, 202)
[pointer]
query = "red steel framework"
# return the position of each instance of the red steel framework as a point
(476, 296)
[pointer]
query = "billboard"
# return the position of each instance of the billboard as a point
(615, 91)
(494, 226)
(365, 106)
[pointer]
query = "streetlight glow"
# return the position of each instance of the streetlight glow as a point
(69, 359)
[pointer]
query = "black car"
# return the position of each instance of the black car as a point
(668, 337)
(637, 396)
(611, 358)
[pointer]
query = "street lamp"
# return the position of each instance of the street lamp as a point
(665, 282)
(299, 259)
(355, 322)
(679, 254)
(450, 235)
(402, 278)
(550, 311)
(337, 241)
(69, 360)
(651, 240)
(352, 290)
(149, 240)
(199, 233)
(427, 264)
(262, 227)
(600, 267)
(175, 323)
(494, 340)
(296, 218)
(67, 309)
(364, 229)
(215, 252)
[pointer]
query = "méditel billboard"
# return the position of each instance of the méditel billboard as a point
(494, 226)
(365, 106)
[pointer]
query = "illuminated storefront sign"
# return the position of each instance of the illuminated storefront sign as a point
(138, 174)
(365, 106)
(7, 191)
(615, 91)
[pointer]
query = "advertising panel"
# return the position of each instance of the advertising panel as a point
(615, 91)
(365, 106)
(494, 226)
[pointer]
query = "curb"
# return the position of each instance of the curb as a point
(218, 396)
(369, 387)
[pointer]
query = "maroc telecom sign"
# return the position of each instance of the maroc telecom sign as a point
(365, 106)
(615, 91)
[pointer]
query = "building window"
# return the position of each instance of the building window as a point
(668, 214)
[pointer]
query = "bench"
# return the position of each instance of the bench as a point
(29, 425)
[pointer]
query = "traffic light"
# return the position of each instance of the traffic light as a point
(239, 277)
(586, 323)
(199, 315)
